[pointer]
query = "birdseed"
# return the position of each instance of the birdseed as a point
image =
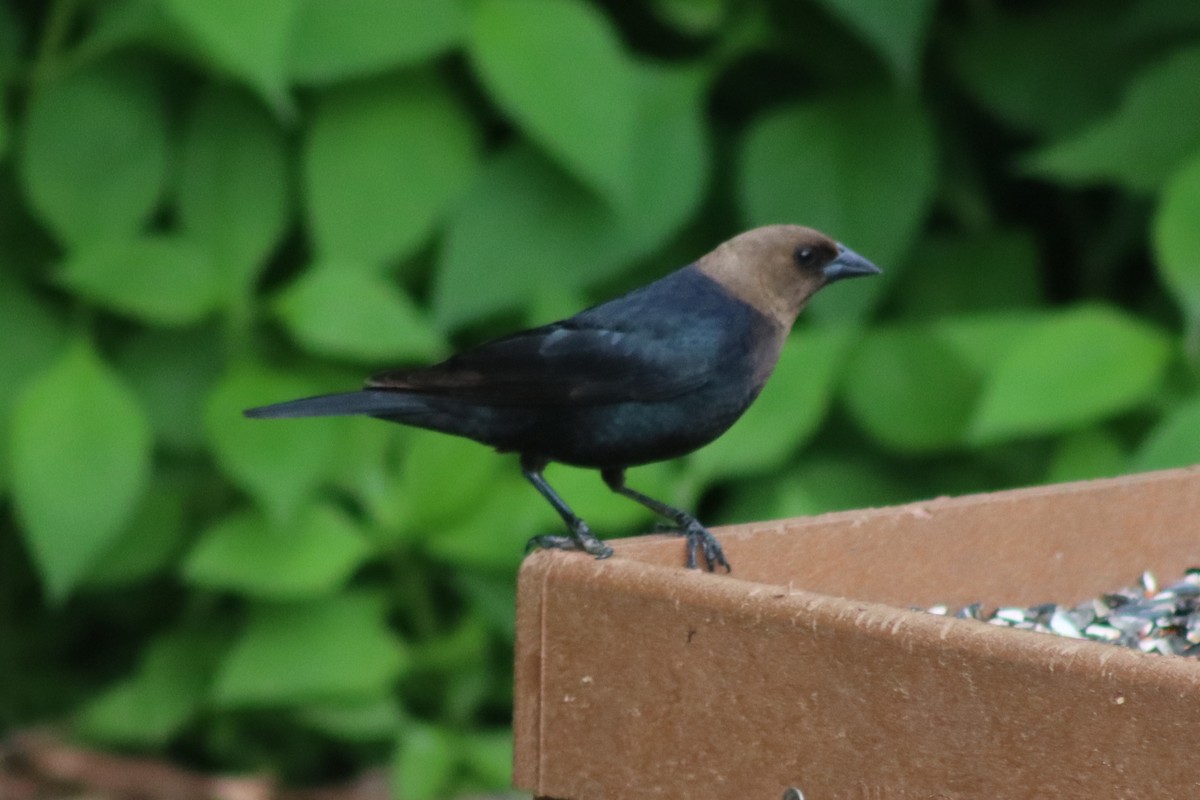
(1142, 616)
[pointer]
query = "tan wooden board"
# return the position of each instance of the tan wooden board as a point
(636, 678)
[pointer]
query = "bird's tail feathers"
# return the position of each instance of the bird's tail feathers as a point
(334, 405)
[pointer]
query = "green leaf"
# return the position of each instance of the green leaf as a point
(1078, 367)
(563, 239)
(1176, 236)
(471, 690)
(172, 372)
(341, 311)
(10, 43)
(897, 31)
(502, 516)
(160, 279)
(363, 465)
(280, 462)
(355, 38)
(787, 413)
(424, 763)
(1174, 441)
(233, 185)
(465, 644)
(164, 693)
(148, 543)
(299, 653)
(981, 340)
(80, 460)
(1150, 22)
(1088, 454)
(438, 474)
(373, 719)
(671, 156)
(960, 274)
(1139, 146)
(247, 554)
(554, 300)
(909, 390)
(820, 164)
(489, 754)
(493, 599)
(119, 24)
(821, 483)
(248, 40)
(520, 49)
(693, 17)
(1047, 71)
(384, 161)
(525, 223)
(33, 336)
(4, 134)
(95, 151)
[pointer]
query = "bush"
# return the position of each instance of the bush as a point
(208, 205)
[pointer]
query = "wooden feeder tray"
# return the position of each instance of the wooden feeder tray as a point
(806, 668)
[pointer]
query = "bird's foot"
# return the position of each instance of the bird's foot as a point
(699, 539)
(579, 539)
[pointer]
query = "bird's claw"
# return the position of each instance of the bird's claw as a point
(583, 540)
(699, 539)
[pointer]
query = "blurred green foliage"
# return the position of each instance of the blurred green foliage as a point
(207, 205)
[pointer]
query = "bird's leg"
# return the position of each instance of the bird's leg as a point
(581, 537)
(698, 537)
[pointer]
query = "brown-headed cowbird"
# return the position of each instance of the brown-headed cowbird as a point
(648, 376)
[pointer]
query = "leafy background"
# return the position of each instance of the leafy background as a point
(206, 205)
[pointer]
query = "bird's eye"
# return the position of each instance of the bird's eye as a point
(805, 256)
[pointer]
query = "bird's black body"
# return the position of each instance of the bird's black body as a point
(625, 383)
(652, 375)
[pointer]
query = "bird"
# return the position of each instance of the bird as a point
(649, 376)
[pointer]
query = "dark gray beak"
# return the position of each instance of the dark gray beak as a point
(848, 264)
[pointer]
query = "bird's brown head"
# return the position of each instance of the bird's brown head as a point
(776, 268)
